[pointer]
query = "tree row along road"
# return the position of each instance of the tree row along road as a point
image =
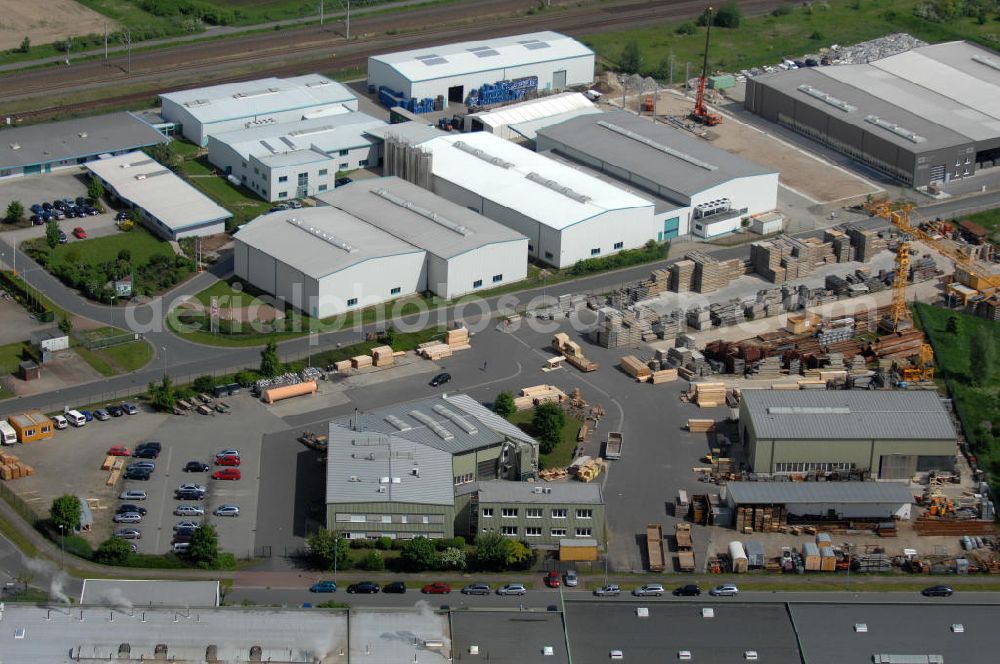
(319, 48)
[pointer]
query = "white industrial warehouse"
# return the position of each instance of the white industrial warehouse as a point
(376, 240)
(296, 159)
(542, 61)
(201, 112)
(716, 189)
(521, 121)
(567, 214)
(168, 205)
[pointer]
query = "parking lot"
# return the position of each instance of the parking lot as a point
(68, 183)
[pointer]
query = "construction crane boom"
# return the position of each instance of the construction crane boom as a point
(700, 113)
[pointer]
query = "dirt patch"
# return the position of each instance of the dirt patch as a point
(264, 313)
(64, 369)
(46, 21)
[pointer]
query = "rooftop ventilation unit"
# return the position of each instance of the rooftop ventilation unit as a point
(82, 134)
(154, 174)
(326, 237)
(816, 93)
(318, 84)
(256, 93)
(197, 102)
(423, 212)
(628, 133)
(311, 132)
(398, 423)
(15, 146)
(431, 59)
(533, 44)
(482, 154)
(989, 62)
(483, 51)
(462, 423)
(808, 410)
(270, 148)
(556, 187)
(895, 128)
(427, 420)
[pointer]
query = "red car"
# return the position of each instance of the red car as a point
(119, 450)
(436, 588)
(227, 460)
(227, 474)
(552, 580)
(79, 233)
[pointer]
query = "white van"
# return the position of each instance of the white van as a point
(7, 434)
(59, 421)
(75, 418)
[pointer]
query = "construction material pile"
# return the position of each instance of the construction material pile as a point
(455, 340)
(702, 273)
(586, 468)
(11, 467)
(573, 352)
(624, 327)
(538, 394)
(707, 395)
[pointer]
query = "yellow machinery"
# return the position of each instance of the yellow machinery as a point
(899, 311)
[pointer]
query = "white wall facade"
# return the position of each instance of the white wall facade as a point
(480, 269)
(755, 193)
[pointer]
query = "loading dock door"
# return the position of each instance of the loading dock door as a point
(897, 466)
(559, 79)
(456, 94)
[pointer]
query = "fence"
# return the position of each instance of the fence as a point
(98, 343)
(18, 505)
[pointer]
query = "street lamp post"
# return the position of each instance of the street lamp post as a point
(163, 357)
(62, 539)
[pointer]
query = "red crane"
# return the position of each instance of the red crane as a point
(700, 113)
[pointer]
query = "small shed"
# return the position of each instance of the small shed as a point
(578, 549)
(86, 516)
(50, 340)
(768, 223)
(29, 370)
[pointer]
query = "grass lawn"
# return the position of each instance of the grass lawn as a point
(128, 357)
(96, 361)
(10, 357)
(230, 293)
(141, 243)
(240, 201)
(769, 39)
(562, 455)
(990, 220)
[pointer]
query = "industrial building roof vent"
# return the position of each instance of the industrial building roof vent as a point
(807, 410)
(556, 187)
(463, 423)
(326, 237)
(423, 212)
(895, 128)
(427, 420)
(816, 93)
(15, 146)
(482, 154)
(82, 134)
(628, 133)
(398, 423)
(989, 62)
(533, 44)
(483, 51)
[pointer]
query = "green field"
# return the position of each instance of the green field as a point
(201, 174)
(142, 244)
(10, 357)
(990, 220)
(763, 40)
(562, 455)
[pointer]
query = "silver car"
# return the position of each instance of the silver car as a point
(189, 510)
(650, 589)
(132, 494)
(227, 510)
(512, 589)
(571, 579)
(129, 533)
(183, 525)
(127, 517)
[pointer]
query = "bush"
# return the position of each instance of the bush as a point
(203, 384)
(113, 551)
(79, 547)
(453, 543)
(362, 544)
(418, 554)
(383, 543)
(503, 405)
(373, 562)
(651, 251)
(687, 28)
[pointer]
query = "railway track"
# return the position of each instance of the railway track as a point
(314, 49)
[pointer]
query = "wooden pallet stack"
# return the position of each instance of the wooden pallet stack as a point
(663, 376)
(682, 276)
(116, 469)
(458, 339)
(11, 467)
(700, 426)
(634, 367)
(711, 274)
(434, 350)
(361, 361)
(538, 394)
(708, 395)
(553, 474)
(382, 356)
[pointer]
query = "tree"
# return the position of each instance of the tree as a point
(729, 15)
(270, 365)
(204, 546)
(65, 325)
(418, 554)
(327, 546)
(518, 555)
(203, 384)
(125, 256)
(95, 189)
(15, 212)
(547, 424)
(163, 397)
(952, 326)
(25, 45)
(162, 152)
(503, 405)
(65, 512)
(983, 355)
(631, 58)
(52, 233)
(491, 550)
(373, 561)
(452, 558)
(113, 551)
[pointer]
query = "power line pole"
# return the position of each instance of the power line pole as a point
(105, 44)
(321, 12)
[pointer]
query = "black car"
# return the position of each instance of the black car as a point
(937, 591)
(35, 220)
(195, 467)
(189, 495)
(145, 453)
(138, 474)
(81, 201)
(114, 411)
(689, 590)
(440, 379)
(128, 507)
(150, 444)
(70, 213)
(366, 587)
(63, 239)
(397, 587)
(46, 206)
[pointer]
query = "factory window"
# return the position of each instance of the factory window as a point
(558, 532)
(805, 467)
(533, 512)
(559, 514)
(497, 277)
(510, 531)
(595, 252)
(343, 153)
(282, 194)
(322, 187)
(487, 513)
(283, 178)
(698, 227)
(530, 248)
(619, 245)
(362, 163)
(548, 254)
(464, 479)
(584, 532)
(533, 532)
(585, 514)
(256, 172)
(386, 518)
(322, 171)
(353, 301)
(509, 512)
(477, 283)
(395, 291)
(343, 167)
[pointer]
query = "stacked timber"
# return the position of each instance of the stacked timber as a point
(382, 356)
(553, 474)
(900, 345)
(116, 469)
(663, 376)
(342, 366)
(11, 467)
(682, 276)
(538, 394)
(434, 350)
(811, 557)
(952, 527)
(709, 395)
(840, 244)
(361, 361)
(458, 339)
(761, 519)
(866, 243)
(700, 426)
(634, 367)
(711, 274)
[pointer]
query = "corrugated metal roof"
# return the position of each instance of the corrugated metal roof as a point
(535, 109)
(325, 135)
(502, 491)
(818, 492)
(160, 592)
(819, 415)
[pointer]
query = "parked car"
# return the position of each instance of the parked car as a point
(227, 460)
(148, 465)
(366, 587)
(690, 590)
(227, 474)
(552, 579)
(323, 587)
(189, 510)
(725, 590)
(937, 591)
(129, 408)
(230, 452)
(37, 209)
(127, 517)
(295, 205)
(571, 579)
(80, 201)
(436, 588)
(610, 590)
(192, 487)
(477, 589)
(128, 507)
(114, 411)
(649, 590)
(182, 494)
(63, 238)
(59, 422)
(185, 525)
(46, 206)
(396, 587)
(150, 444)
(36, 220)
(145, 453)
(101, 415)
(132, 494)
(512, 589)
(340, 182)
(138, 474)
(196, 467)
(129, 533)
(440, 379)
(183, 534)
(227, 510)
(87, 415)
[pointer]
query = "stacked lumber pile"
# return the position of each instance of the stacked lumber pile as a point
(382, 356)
(761, 518)
(929, 525)
(117, 468)
(900, 345)
(361, 361)
(711, 274)
(586, 469)
(708, 395)
(682, 276)
(458, 339)
(434, 350)
(11, 467)
(866, 243)
(840, 244)
(342, 366)
(634, 367)
(553, 474)
(700, 426)
(538, 394)
(663, 376)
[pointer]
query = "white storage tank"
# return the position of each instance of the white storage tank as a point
(738, 557)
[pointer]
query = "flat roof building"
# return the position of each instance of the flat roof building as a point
(925, 116)
(847, 500)
(373, 241)
(201, 112)
(717, 189)
(42, 148)
(888, 435)
(297, 159)
(537, 61)
(522, 120)
(118, 593)
(168, 205)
